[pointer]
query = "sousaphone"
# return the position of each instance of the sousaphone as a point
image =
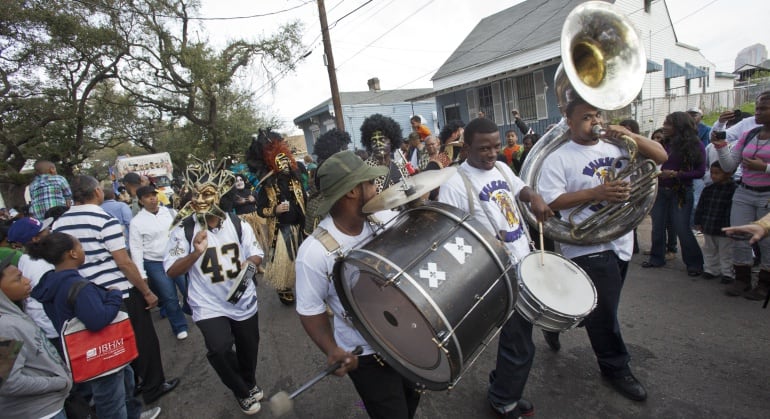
(604, 63)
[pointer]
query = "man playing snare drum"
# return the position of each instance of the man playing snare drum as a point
(346, 184)
(572, 175)
(488, 192)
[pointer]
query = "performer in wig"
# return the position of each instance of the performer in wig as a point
(281, 201)
(328, 143)
(382, 136)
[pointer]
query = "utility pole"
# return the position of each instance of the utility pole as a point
(329, 61)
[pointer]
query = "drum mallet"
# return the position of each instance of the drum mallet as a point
(281, 403)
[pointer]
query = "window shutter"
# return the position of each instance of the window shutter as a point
(497, 103)
(540, 105)
(472, 108)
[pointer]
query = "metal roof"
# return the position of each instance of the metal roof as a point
(525, 26)
(368, 97)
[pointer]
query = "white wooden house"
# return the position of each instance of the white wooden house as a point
(509, 60)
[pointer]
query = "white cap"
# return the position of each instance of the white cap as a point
(695, 109)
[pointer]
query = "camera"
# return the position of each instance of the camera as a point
(720, 135)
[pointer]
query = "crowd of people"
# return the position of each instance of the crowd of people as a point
(128, 249)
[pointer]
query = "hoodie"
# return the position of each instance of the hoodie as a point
(95, 306)
(39, 381)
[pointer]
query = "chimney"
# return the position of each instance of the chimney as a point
(374, 84)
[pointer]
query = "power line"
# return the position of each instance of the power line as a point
(411, 15)
(116, 9)
(348, 14)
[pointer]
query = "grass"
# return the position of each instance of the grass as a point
(711, 117)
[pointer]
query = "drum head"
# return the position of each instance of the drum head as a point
(391, 323)
(558, 283)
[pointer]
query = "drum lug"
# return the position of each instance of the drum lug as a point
(440, 345)
(392, 280)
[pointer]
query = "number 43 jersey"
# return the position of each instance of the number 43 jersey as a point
(212, 275)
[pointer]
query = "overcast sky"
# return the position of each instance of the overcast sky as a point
(404, 42)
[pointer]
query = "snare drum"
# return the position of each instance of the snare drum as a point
(428, 293)
(555, 295)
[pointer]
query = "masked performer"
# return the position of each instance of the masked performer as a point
(281, 202)
(381, 136)
(212, 247)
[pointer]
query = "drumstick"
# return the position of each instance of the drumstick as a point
(542, 247)
(282, 402)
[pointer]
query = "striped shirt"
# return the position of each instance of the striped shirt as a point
(100, 234)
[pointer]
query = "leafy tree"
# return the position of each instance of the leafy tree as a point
(183, 77)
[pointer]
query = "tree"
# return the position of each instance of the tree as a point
(186, 78)
(80, 78)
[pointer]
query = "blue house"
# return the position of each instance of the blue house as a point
(356, 106)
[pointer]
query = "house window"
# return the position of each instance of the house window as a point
(451, 113)
(647, 5)
(486, 102)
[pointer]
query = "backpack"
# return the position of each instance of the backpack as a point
(189, 227)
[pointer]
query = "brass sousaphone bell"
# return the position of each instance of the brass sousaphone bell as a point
(604, 63)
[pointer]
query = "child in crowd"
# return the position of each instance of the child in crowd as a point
(96, 307)
(39, 382)
(711, 215)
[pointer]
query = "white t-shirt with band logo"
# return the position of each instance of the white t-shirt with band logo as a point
(574, 167)
(498, 198)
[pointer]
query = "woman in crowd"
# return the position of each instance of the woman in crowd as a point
(686, 161)
(750, 202)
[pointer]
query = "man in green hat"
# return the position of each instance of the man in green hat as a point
(346, 184)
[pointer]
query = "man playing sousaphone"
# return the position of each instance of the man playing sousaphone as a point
(575, 174)
(212, 247)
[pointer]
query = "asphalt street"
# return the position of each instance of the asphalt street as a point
(698, 352)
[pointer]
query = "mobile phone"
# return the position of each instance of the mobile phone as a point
(720, 135)
(741, 236)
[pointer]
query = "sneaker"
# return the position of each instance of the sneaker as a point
(249, 405)
(708, 275)
(670, 256)
(726, 280)
(150, 414)
(256, 393)
(518, 410)
(697, 233)
(181, 335)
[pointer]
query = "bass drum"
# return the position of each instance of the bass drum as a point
(428, 293)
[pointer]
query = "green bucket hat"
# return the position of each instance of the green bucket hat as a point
(339, 174)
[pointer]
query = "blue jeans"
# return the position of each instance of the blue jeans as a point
(747, 207)
(114, 395)
(668, 207)
(607, 272)
(515, 353)
(165, 288)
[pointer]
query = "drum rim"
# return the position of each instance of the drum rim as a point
(523, 285)
(355, 316)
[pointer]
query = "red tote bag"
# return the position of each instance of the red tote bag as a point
(96, 354)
